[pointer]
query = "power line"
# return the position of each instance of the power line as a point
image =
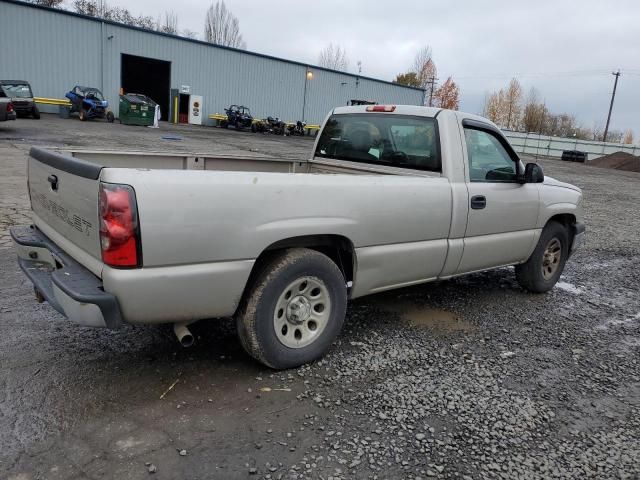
(575, 73)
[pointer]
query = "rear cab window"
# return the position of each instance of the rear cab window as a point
(382, 139)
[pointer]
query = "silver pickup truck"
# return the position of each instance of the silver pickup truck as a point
(392, 196)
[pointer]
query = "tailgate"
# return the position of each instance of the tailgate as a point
(64, 197)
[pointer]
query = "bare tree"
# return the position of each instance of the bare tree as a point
(628, 137)
(504, 107)
(169, 24)
(46, 3)
(426, 71)
(100, 9)
(597, 132)
(534, 114)
(491, 108)
(410, 79)
(222, 27)
(615, 136)
(513, 99)
(333, 57)
(189, 34)
(93, 8)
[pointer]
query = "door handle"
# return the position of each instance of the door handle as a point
(53, 180)
(478, 202)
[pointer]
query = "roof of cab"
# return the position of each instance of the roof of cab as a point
(400, 109)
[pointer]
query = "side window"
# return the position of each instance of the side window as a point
(488, 159)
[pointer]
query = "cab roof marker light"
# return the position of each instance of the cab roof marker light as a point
(381, 108)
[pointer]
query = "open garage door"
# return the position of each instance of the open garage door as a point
(148, 76)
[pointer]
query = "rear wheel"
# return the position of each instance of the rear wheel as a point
(543, 269)
(293, 310)
(35, 113)
(83, 115)
(110, 117)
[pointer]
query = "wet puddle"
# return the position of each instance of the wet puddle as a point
(439, 321)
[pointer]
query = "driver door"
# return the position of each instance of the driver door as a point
(503, 214)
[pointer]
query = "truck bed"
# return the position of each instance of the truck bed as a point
(232, 163)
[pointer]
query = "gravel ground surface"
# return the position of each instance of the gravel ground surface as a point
(469, 378)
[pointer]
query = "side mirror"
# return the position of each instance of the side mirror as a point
(533, 173)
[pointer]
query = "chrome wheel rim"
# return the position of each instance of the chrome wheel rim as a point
(302, 312)
(551, 258)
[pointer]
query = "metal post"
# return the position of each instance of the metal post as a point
(432, 81)
(102, 57)
(613, 96)
(304, 97)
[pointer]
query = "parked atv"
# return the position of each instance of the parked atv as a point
(297, 129)
(238, 116)
(276, 126)
(259, 126)
(89, 103)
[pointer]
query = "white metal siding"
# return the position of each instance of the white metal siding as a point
(544, 145)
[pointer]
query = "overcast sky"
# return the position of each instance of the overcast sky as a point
(566, 49)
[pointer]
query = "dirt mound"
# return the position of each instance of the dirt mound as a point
(618, 161)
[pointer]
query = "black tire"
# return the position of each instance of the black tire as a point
(257, 316)
(82, 115)
(110, 117)
(224, 124)
(35, 113)
(533, 275)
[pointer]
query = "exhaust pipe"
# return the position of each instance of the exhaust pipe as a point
(184, 335)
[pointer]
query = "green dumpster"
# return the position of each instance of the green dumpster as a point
(136, 109)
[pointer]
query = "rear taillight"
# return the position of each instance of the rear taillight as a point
(119, 229)
(381, 108)
(9, 107)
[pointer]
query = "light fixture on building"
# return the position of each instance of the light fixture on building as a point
(309, 75)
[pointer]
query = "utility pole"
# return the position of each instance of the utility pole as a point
(432, 83)
(613, 96)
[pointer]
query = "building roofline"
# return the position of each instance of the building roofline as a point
(202, 42)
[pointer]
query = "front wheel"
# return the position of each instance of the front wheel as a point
(35, 113)
(83, 115)
(293, 310)
(543, 269)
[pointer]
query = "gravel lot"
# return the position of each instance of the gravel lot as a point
(469, 378)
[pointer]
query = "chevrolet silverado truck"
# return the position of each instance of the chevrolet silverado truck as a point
(7, 112)
(391, 196)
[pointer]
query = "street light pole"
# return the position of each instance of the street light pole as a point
(308, 76)
(613, 96)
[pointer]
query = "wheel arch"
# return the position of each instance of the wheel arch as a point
(568, 220)
(338, 248)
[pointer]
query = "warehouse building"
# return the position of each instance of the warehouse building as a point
(55, 50)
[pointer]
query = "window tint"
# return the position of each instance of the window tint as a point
(381, 139)
(488, 159)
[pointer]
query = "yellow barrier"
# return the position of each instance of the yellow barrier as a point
(52, 101)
